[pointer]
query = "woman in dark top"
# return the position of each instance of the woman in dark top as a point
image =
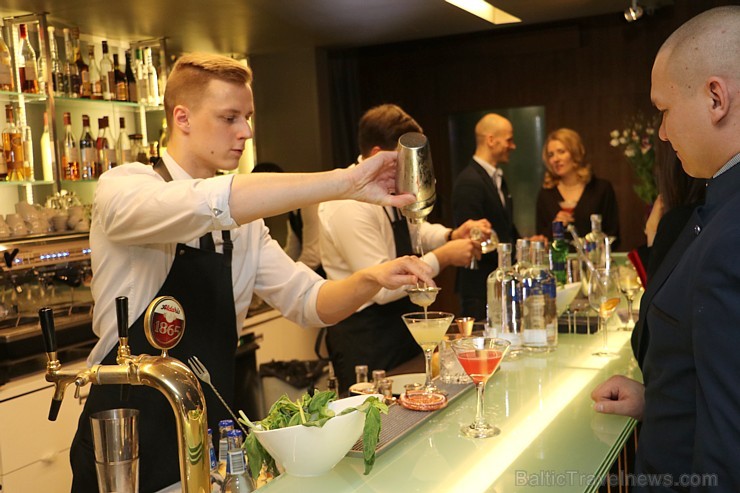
(570, 193)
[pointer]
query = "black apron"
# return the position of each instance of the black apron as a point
(375, 336)
(200, 279)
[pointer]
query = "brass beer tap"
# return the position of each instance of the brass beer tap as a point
(164, 324)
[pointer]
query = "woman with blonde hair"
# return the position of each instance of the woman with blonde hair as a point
(570, 192)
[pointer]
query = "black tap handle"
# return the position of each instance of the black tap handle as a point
(46, 317)
(122, 316)
(54, 409)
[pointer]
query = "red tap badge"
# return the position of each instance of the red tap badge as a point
(164, 322)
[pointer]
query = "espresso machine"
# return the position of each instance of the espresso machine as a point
(50, 271)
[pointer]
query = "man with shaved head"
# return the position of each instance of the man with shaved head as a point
(480, 192)
(690, 403)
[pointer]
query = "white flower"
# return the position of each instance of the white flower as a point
(629, 152)
(614, 134)
(623, 140)
(650, 130)
(614, 142)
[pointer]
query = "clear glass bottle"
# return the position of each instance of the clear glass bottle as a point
(121, 85)
(123, 143)
(71, 73)
(151, 77)
(82, 83)
(12, 146)
(96, 87)
(558, 253)
(503, 293)
(138, 152)
(597, 243)
(27, 142)
(523, 256)
(540, 329)
(26, 62)
(70, 154)
(106, 152)
(237, 479)
(47, 160)
(107, 77)
(87, 151)
(6, 67)
(142, 84)
(57, 70)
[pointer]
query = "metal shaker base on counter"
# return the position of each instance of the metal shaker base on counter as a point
(401, 421)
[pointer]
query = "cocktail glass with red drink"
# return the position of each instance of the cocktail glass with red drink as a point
(480, 356)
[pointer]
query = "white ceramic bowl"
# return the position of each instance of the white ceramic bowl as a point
(566, 295)
(310, 451)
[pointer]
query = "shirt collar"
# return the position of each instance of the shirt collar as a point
(177, 172)
(490, 168)
(729, 164)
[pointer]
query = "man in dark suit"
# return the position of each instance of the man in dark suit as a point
(480, 192)
(690, 402)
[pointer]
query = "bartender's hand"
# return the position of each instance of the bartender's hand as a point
(620, 395)
(463, 231)
(374, 179)
(338, 299)
(457, 252)
(403, 271)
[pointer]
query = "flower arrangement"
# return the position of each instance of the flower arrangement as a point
(636, 141)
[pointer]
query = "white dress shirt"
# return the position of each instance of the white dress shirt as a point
(355, 235)
(496, 176)
(137, 221)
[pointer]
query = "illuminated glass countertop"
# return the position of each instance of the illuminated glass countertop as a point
(551, 439)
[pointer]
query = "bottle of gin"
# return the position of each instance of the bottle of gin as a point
(558, 253)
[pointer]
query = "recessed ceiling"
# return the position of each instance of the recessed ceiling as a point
(260, 26)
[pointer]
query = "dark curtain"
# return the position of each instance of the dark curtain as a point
(345, 107)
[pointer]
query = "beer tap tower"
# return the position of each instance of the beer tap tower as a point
(164, 325)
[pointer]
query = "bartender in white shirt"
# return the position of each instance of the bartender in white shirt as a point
(355, 236)
(177, 229)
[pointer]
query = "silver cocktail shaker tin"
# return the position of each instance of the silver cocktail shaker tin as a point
(415, 175)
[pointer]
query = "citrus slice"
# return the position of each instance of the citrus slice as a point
(609, 304)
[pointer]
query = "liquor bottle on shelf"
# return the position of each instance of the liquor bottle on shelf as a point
(142, 84)
(26, 62)
(558, 253)
(27, 140)
(120, 84)
(12, 146)
(44, 83)
(71, 72)
(104, 147)
(123, 144)
(151, 77)
(138, 152)
(96, 87)
(70, 154)
(130, 79)
(6, 68)
(107, 81)
(47, 162)
(163, 137)
(87, 151)
(57, 70)
(82, 84)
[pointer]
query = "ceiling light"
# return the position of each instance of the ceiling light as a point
(633, 12)
(485, 11)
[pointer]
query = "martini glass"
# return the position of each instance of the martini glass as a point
(480, 356)
(603, 296)
(428, 329)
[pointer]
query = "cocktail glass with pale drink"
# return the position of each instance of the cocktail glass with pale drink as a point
(428, 329)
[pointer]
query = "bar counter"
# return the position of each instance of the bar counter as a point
(551, 439)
